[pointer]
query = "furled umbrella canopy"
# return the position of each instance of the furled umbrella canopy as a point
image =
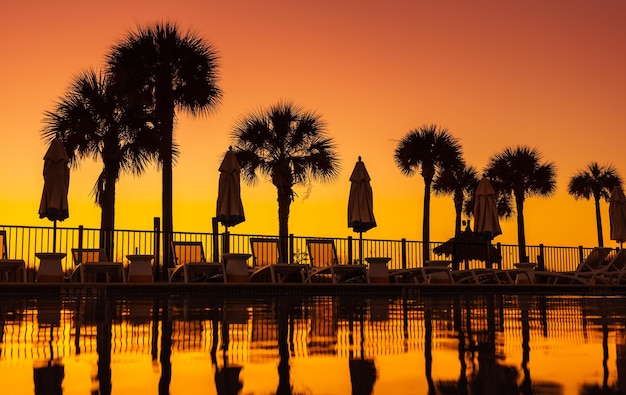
(486, 220)
(617, 215)
(361, 201)
(56, 175)
(229, 204)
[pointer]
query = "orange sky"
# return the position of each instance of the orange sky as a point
(548, 75)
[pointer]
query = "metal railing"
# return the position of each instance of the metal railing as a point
(23, 242)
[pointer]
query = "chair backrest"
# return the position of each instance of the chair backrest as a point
(618, 262)
(594, 260)
(265, 251)
(188, 251)
(322, 252)
(80, 255)
(3, 244)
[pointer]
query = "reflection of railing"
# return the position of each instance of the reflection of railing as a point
(23, 242)
(324, 325)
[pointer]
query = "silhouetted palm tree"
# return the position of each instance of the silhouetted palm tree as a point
(595, 181)
(94, 124)
(166, 70)
(429, 149)
(288, 145)
(519, 172)
(460, 181)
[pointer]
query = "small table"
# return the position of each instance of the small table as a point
(437, 272)
(378, 271)
(524, 273)
(50, 268)
(236, 267)
(140, 268)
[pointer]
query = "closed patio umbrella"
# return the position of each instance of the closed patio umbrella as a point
(360, 203)
(486, 220)
(56, 175)
(229, 205)
(617, 215)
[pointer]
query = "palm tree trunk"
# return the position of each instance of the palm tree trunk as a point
(107, 216)
(458, 208)
(599, 221)
(166, 130)
(521, 235)
(426, 222)
(284, 202)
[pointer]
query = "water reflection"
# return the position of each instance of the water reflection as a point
(363, 344)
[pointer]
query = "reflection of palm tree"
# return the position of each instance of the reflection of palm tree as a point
(595, 181)
(429, 149)
(103, 347)
(166, 71)
(166, 349)
(519, 172)
(290, 146)
(526, 386)
(93, 123)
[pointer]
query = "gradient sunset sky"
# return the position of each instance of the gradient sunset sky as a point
(546, 74)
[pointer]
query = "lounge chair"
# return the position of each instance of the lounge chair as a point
(93, 264)
(594, 263)
(325, 265)
(433, 272)
(613, 273)
(268, 263)
(191, 262)
(10, 269)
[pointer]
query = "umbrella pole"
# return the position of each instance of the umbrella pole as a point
(54, 236)
(360, 248)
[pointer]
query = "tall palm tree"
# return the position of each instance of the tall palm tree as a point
(166, 70)
(288, 145)
(520, 172)
(430, 149)
(93, 123)
(595, 181)
(460, 181)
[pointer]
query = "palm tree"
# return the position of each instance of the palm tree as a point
(93, 123)
(166, 70)
(430, 149)
(595, 181)
(460, 181)
(519, 172)
(288, 145)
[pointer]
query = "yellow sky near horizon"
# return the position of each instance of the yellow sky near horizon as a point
(548, 75)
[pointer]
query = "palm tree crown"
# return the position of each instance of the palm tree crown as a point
(93, 123)
(429, 149)
(519, 172)
(460, 181)
(166, 70)
(595, 181)
(288, 145)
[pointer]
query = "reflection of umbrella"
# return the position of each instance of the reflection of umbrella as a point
(486, 221)
(229, 205)
(56, 175)
(360, 203)
(617, 215)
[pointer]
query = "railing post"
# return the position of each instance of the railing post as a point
(350, 249)
(541, 259)
(581, 256)
(291, 248)
(157, 249)
(216, 239)
(403, 244)
(81, 229)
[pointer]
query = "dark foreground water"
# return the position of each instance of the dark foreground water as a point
(360, 344)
